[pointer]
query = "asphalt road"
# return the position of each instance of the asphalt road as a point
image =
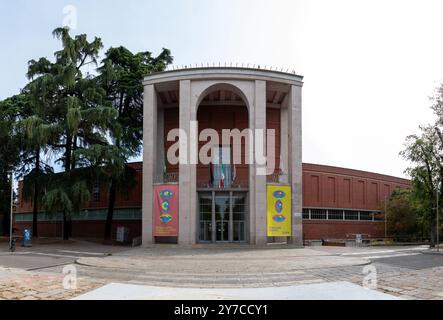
(415, 262)
(52, 255)
(33, 261)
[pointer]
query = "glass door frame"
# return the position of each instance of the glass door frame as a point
(213, 193)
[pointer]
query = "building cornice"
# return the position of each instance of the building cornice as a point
(220, 73)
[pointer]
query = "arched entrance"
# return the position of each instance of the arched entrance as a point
(222, 184)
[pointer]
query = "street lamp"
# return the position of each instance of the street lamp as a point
(386, 218)
(438, 223)
(11, 212)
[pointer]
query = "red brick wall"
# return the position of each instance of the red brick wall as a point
(321, 229)
(82, 229)
(219, 118)
(332, 187)
(131, 198)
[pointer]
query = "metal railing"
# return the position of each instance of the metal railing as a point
(277, 177)
(341, 214)
(169, 177)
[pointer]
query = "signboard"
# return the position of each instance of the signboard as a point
(279, 211)
(165, 213)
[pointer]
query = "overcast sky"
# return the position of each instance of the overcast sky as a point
(369, 66)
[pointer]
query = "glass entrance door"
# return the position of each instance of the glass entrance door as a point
(222, 209)
(222, 216)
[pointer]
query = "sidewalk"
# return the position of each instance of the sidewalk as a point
(16, 284)
(220, 267)
(322, 291)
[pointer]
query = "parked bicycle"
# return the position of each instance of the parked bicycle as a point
(13, 241)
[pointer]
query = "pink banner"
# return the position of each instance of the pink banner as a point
(165, 214)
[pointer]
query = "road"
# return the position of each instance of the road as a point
(406, 272)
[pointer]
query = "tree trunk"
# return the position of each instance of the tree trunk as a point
(433, 233)
(65, 227)
(68, 154)
(111, 206)
(36, 195)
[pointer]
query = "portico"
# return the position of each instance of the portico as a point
(219, 99)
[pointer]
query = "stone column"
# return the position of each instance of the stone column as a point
(260, 170)
(295, 161)
(149, 160)
(283, 156)
(160, 156)
(184, 168)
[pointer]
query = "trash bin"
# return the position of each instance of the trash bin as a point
(122, 234)
(27, 235)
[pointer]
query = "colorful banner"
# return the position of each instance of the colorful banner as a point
(165, 213)
(279, 211)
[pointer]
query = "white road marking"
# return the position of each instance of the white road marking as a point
(383, 251)
(83, 252)
(392, 255)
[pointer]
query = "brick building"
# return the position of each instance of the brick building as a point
(228, 202)
(337, 204)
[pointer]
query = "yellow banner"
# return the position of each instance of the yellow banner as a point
(279, 211)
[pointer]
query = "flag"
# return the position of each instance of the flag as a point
(234, 175)
(211, 175)
(222, 176)
(164, 168)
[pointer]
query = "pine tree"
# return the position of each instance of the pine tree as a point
(121, 76)
(79, 109)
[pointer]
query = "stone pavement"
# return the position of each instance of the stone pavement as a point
(225, 267)
(16, 284)
(340, 290)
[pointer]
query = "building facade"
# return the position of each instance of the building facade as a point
(228, 202)
(222, 99)
(337, 204)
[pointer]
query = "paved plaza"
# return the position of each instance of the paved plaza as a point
(407, 272)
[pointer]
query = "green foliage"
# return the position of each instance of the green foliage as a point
(403, 222)
(121, 76)
(9, 155)
(425, 152)
(90, 124)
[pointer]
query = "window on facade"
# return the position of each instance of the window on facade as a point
(334, 214)
(96, 192)
(337, 214)
(351, 215)
(318, 214)
(365, 215)
(305, 213)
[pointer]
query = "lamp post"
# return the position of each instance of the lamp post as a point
(386, 218)
(438, 223)
(11, 210)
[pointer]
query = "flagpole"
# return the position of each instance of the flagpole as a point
(11, 209)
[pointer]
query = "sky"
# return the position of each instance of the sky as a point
(369, 67)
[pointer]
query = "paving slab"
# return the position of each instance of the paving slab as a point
(321, 291)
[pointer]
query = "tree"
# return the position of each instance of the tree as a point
(78, 107)
(425, 152)
(38, 130)
(402, 215)
(121, 76)
(9, 155)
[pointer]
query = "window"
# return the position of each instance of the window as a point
(351, 215)
(96, 192)
(366, 215)
(335, 214)
(319, 214)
